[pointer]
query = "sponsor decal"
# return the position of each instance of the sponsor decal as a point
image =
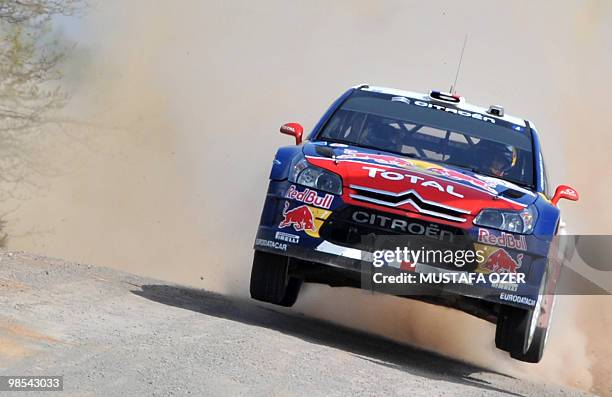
(350, 154)
(320, 215)
(507, 240)
(402, 225)
(506, 286)
(500, 261)
(289, 238)
(569, 192)
(481, 182)
(492, 181)
(304, 219)
(487, 185)
(301, 218)
(460, 112)
(400, 99)
(517, 299)
(373, 172)
(310, 197)
(271, 244)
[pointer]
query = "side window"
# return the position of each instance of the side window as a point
(344, 126)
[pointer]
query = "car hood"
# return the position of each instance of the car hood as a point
(376, 178)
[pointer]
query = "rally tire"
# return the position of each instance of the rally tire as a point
(292, 292)
(536, 349)
(270, 281)
(512, 331)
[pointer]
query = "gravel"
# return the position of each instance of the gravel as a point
(113, 333)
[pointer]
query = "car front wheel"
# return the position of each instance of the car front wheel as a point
(271, 282)
(523, 333)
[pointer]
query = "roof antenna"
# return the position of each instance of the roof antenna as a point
(453, 89)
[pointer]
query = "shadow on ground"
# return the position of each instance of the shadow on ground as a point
(368, 347)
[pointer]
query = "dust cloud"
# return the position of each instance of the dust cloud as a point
(179, 106)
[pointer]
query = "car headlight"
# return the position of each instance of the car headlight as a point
(306, 174)
(510, 221)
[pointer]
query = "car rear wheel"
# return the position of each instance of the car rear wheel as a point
(270, 280)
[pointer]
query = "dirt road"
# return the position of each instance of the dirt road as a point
(114, 333)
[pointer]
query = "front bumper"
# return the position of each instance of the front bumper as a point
(330, 237)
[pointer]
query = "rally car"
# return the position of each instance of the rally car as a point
(435, 171)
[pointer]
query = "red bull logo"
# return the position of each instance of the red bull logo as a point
(310, 197)
(501, 262)
(504, 240)
(301, 218)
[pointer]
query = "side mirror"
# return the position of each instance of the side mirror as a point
(564, 192)
(294, 129)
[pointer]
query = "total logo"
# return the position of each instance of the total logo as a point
(310, 197)
(504, 240)
(301, 218)
(374, 172)
(569, 191)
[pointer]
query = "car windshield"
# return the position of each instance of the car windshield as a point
(434, 132)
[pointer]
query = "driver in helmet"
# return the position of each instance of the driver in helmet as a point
(496, 158)
(382, 136)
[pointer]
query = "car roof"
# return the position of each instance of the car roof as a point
(463, 105)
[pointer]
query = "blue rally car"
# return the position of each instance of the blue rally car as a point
(385, 167)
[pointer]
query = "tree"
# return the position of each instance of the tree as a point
(30, 87)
